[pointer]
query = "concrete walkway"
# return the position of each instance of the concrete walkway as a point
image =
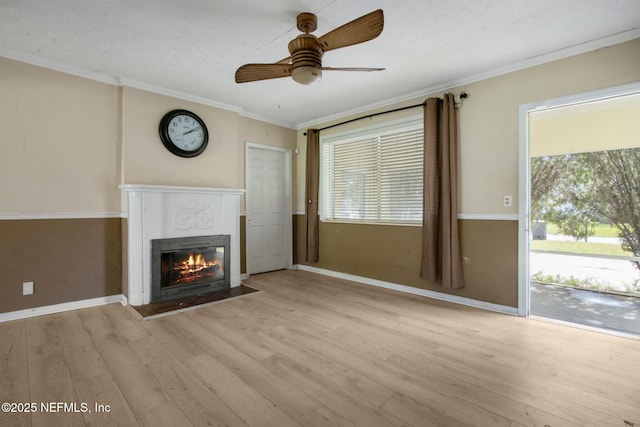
(591, 308)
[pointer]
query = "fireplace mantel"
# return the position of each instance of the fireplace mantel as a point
(159, 211)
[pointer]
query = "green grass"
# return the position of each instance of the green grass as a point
(578, 247)
(581, 247)
(602, 230)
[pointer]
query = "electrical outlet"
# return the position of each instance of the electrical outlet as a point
(27, 288)
(507, 202)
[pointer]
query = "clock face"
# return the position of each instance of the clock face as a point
(183, 133)
(186, 132)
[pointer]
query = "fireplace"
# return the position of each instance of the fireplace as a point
(187, 266)
(158, 212)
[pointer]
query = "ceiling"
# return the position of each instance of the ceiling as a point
(191, 48)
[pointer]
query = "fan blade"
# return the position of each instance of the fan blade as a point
(352, 69)
(286, 60)
(253, 72)
(359, 30)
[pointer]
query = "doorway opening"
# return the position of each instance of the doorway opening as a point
(580, 217)
(269, 227)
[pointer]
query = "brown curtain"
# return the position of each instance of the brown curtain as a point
(311, 194)
(441, 263)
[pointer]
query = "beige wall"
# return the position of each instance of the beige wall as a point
(488, 159)
(489, 120)
(147, 161)
(67, 144)
(489, 117)
(59, 145)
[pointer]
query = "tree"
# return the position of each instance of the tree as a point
(561, 192)
(616, 180)
(545, 172)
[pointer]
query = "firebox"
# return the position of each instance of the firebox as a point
(187, 266)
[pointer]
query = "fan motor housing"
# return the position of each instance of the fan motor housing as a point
(305, 51)
(306, 59)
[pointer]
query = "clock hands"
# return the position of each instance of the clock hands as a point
(189, 131)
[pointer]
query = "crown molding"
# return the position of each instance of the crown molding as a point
(440, 87)
(270, 120)
(59, 67)
(135, 84)
(556, 55)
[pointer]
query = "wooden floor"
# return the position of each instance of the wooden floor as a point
(315, 351)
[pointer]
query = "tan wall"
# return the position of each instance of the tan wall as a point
(489, 117)
(59, 157)
(488, 159)
(489, 120)
(68, 144)
(67, 259)
(147, 161)
(59, 146)
(392, 254)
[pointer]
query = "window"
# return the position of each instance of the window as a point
(374, 175)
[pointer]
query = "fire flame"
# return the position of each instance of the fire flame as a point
(198, 262)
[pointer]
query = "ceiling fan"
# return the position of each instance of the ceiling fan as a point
(305, 63)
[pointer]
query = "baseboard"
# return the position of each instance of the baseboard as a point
(59, 308)
(412, 290)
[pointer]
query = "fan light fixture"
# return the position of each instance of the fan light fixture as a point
(306, 50)
(306, 75)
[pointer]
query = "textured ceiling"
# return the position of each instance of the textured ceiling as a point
(192, 48)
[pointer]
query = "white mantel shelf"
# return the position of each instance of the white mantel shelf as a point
(162, 211)
(178, 189)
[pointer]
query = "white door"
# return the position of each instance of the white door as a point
(268, 221)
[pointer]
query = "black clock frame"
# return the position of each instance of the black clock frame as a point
(166, 140)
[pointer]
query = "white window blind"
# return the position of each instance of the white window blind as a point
(374, 176)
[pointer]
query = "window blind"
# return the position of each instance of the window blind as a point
(375, 177)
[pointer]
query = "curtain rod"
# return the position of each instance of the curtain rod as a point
(463, 95)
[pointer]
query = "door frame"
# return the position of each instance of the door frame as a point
(524, 198)
(287, 211)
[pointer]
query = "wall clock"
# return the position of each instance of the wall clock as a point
(184, 133)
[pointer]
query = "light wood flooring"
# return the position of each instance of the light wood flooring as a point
(317, 351)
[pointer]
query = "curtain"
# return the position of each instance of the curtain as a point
(441, 263)
(311, 195)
